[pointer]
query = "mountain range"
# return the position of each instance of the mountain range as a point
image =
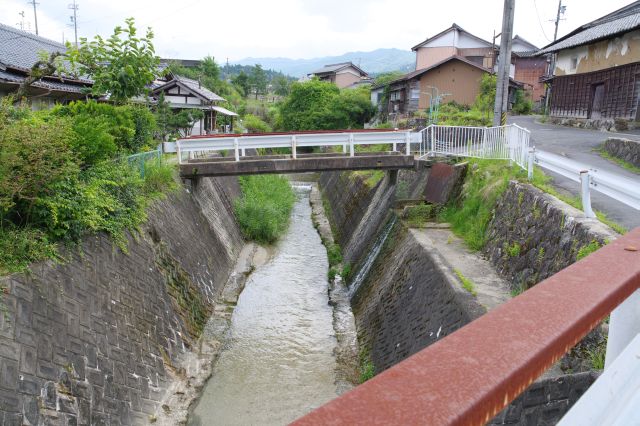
(374, 62)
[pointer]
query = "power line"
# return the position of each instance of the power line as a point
(540, 22)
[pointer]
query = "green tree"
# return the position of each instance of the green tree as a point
(121, 66)
(486, 98)
(209, 68)
(241, 81)
(258, 80)
(281, 85)
(306, 106)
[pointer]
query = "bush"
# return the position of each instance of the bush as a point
(264, 208)
(522, 104)
(255, 125)
(130, 126)
(34, 156)
(21, 246)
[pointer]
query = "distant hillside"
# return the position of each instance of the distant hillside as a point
(375, 62)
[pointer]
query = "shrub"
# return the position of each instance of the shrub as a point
(21, 246)
(255, 125)
(264, 208)
(34, 156)
(522, 104)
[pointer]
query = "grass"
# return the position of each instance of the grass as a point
(367, 369)
(467, 284)
(486, 181)
(513, 250)
(418, 216)
(265, 206)
(597, 355)
(370, 177)
(518, 290)
(619, 161)
(586, 250)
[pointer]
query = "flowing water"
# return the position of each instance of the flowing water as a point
(371, 257)
(278, 363)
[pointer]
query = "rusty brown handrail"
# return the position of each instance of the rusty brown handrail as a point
(472, 374)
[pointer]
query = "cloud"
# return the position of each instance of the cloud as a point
(299, 28)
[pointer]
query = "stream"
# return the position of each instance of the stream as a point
(278, 362)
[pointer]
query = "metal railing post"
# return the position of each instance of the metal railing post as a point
(433, 140)
(624, 325)
(293, 147)
(394, 146)
(351, 150)
(235, 148)
(586, 194)
(532, 154)
(243, 152)
(407, 141)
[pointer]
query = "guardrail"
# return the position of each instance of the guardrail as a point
(348, 140)
(470, 375)
(619, 188)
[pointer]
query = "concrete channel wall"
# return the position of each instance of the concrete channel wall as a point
(409, 299)
(98, 339)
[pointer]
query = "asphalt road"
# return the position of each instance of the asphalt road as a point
(579, 145)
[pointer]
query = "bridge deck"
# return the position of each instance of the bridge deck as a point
(227, 166)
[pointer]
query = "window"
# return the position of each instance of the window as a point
(415, 93)
(574, 63)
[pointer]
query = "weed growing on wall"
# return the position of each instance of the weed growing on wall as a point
(588, 249)
(467, 284)
(265, 206)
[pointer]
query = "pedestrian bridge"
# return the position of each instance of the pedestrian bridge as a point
(228, 155)
(239, 154)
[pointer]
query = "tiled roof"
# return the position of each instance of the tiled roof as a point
(197, 88)
(49, 84)
(419, 72)
(620, 21)
(19, 49)
(337, 67)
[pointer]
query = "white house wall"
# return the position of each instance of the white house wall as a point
(599, 56)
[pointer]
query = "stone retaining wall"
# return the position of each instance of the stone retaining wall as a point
(408, 301)
(534, 235)
(623, 149)
(98, 339)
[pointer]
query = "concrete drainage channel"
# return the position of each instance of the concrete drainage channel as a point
(128, 355)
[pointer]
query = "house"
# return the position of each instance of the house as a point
(19, 51)
(454, 41)
(185, 93)
(528, 67)
(597, 68)
(456, 78)
(342, 75)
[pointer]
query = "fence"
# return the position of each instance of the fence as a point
(497, 143)
(142, 158)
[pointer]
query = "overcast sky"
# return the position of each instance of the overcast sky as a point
(236, 29)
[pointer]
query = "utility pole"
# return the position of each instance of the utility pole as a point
(35, 13)
(74, 6)
(504, 65)
(552, 64)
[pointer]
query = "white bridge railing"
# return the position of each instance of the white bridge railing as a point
(239, 144)
(497, 143)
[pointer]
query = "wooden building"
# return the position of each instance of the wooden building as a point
(185, 93)
(457, 78)
(19, 51)
(597, 68)
(343, 75)
(454, 41)
(529, 67)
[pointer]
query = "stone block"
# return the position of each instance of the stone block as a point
(9, 349)
(8, 374)
(31, 409)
